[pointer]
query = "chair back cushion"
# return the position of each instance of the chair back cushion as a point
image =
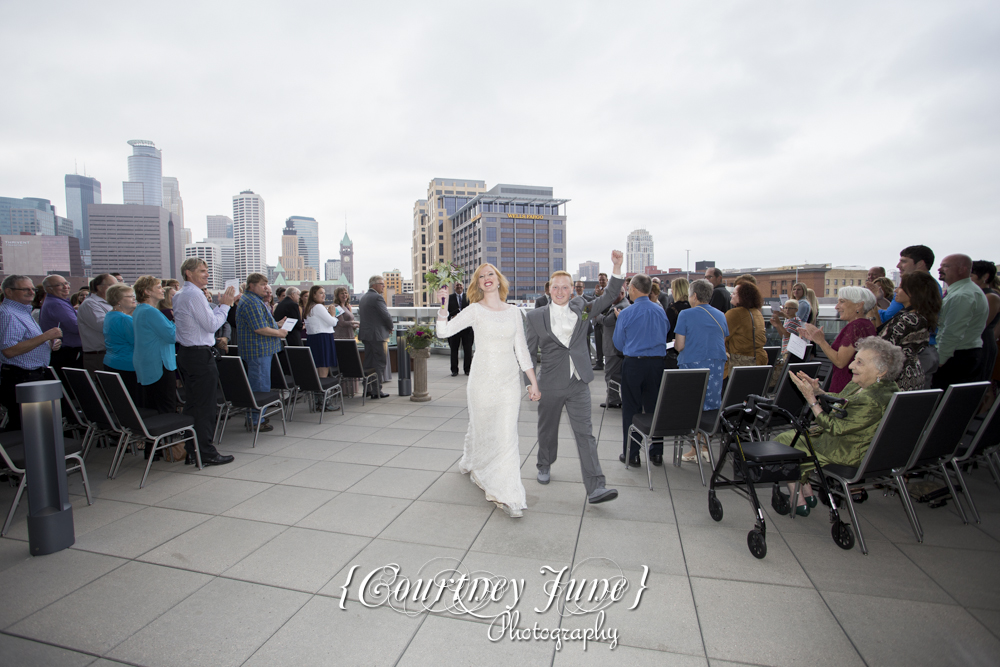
(898, 434)
(948, 423)
(303, 368)
(788, 395)
(121, 403)
(349, 358)
(90, 399)
(679, 404)
(235, 385)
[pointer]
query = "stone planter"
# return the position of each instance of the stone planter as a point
(419, 359)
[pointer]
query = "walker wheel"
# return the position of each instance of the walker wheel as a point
(714, 507)
(780, 502)
(756, 542)
(843, 535)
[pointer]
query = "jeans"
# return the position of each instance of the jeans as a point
(259, 374)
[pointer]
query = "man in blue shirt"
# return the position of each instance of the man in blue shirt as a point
(641, 335)
(25, 348)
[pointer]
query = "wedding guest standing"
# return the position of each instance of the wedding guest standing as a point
(320, 325)
(260, 338)
(58, 313)
(197, 327)
(376, 327)
(26, 349)
(90, 319)
(458, 302)
(289, 307)
(852, 304)
(154, 357)
(119, 338)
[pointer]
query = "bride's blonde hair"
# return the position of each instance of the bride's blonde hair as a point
(475, 294)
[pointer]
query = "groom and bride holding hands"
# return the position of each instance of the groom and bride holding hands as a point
(491, 457)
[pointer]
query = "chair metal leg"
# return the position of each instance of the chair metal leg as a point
(13, 505)
(118, 455)
(88, 440)
(646, 442)
(911, 512)
(256, 431)
(83, 475)
(197, 449)
(951, 488)
(149, 463)
(697, 457)
(225, 421)
(993, 468)
(218, 420)
(965, 491)
(854, 516)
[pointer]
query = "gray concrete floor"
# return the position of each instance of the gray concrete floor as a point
(245, 564)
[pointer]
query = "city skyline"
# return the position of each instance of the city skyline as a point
(750, 124)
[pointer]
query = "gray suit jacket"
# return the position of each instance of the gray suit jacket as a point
(608, 323)
(553, 372)
(376, 323)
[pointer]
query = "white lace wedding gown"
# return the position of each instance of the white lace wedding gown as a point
(491, 456)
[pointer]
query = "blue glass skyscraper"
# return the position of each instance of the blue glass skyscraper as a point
(81, 191)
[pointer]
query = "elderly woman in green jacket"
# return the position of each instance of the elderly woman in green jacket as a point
(844, 441)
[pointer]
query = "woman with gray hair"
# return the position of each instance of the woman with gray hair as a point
(874, 369)
(700, 338)
(852, 304)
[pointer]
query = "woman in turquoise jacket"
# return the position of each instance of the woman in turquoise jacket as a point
(154, 357)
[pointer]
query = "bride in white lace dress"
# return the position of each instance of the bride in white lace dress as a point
(491, 456)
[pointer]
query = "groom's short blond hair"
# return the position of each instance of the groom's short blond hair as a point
(556, 274)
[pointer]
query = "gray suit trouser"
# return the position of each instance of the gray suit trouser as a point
(375, 359)
(576, 398)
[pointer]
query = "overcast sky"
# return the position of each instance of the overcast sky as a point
(752, 133)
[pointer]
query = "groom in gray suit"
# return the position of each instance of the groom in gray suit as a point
(563, 379)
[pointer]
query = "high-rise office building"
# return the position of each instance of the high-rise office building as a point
(639, 251)
(347, 258)
(393, 280)
(145, 174)
(27, 215)
(444, 197)
(307, 231)
(220, 227)
(407, 286)
(332, 271)
(589, 270)
(40, 255)
(248, 234)
(521, 229)
(293, 264)
(134, 240)
(172, 199)
(64, 227)
(81, 191)
(418, 261)
(227, 249)
(212, 254)
(186, 235)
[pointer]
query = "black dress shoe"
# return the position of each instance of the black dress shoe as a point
(657, 459)
(189, 459)
(632, 462)
(466, 372)
(454, 374)
(599, 367)
(216, 460)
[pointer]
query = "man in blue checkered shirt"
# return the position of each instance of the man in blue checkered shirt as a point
(260, 337)
(25, 347)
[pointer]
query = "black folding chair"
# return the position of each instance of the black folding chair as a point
(892, 446)
(154, 429)
(350, 365)
(743, 381)
(787, 397)
(72, 419)
(941, 440)
(308, 380)
(241, 397)
(283, 382)
(980, 445)
(12, 463)
(772, 353)
(677, 415)
(102, 424)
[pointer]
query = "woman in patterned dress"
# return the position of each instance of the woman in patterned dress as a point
(911, 327)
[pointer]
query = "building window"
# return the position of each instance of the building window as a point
(491, 260)
(557, 236)
(491, 234)
(835, 292)
(828, 290)
(440, 248)
(557, 264)
(828, 282)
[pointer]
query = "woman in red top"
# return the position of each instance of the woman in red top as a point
(852, 304)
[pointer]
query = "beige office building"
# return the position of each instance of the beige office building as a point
(431, 227)
(212, 254)
(293, 263)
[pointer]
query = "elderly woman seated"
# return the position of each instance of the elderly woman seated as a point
(844, 441)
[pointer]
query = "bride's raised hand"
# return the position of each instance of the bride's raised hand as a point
(442, 297)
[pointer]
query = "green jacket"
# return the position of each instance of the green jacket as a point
(845, 441)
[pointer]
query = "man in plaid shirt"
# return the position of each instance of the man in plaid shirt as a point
(260, 337)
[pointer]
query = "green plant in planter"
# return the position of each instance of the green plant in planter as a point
(419, 337)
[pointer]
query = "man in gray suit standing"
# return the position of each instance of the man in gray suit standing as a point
(564, 376)
(376, 327)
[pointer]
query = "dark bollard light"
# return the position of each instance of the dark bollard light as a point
(50, 516)
(403, 363)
